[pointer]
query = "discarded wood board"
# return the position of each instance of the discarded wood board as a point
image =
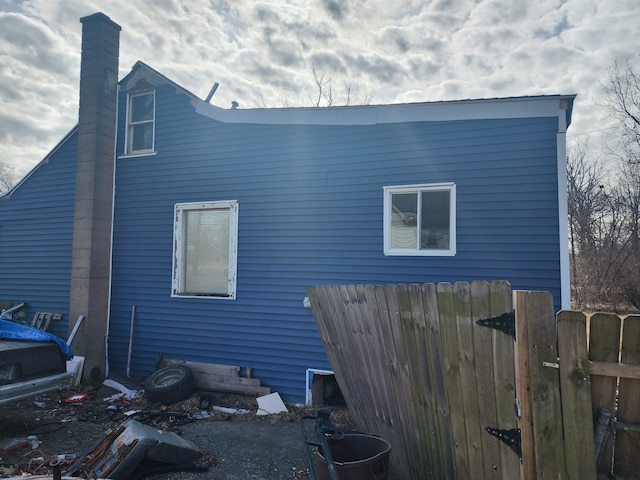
(218, 378)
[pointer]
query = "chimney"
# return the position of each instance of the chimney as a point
(90, 264)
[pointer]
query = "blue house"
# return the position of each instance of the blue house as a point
(180, 228)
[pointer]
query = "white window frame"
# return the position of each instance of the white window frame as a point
(407, 189)
(178, 284)
(129, 131)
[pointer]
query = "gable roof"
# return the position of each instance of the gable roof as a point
(142, 75)
(42, 162)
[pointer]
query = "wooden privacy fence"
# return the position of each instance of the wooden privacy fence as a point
(434, 370)
(614, 354)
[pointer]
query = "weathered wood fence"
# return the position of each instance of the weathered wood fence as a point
(614, 354)
(468, 381)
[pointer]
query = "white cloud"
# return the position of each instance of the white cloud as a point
(262, 53)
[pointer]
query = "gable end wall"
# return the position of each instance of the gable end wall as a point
(310, 213)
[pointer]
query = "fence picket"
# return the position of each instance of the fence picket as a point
(483, 347)
(604, 346)
(427, 392)
(432, 341)
(545, 386)
(523, 386)
(466, 455)
(501, 302)
(575, 386)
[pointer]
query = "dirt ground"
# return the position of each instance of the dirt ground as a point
(235, 446)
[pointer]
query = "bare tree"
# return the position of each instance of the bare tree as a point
(622, 101)
(7, 177)
(604, 215)
(326, 94)
(588, 209)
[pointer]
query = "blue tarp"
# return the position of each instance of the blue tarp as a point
(14, 331)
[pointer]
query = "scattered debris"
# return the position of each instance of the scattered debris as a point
(240, 411)
(126, 393)
(76, 398)
(269, 404)
(67, 430)
(11, 444)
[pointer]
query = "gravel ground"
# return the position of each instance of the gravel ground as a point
(234, 446)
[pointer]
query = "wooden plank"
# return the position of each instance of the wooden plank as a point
(451, 358)
(621, 370)
(523, 386)
(390, 428)
(210, 368)
(483, 350)
(545, 386)
(501, 302)
(365, 320)
(604, 346)
(433, 347)
(406, 462)
(361, 358)
(423, 391)
(203, 382)
(575, 385)
(352, 366)
(216, 377)
(476, 434)
(400, 295)
(627, 446)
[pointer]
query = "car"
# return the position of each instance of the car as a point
(32, 362)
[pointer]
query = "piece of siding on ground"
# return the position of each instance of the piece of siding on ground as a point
(310, 213)
(36, 237)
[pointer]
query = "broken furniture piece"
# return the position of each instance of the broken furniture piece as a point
(41, 320)
(134, 446)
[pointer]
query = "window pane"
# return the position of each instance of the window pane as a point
(404, 208)
(435, 220)
(142, 108)
(141, 137)
(207, 252)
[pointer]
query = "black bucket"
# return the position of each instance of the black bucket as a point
(356, 457)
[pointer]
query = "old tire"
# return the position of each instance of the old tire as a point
(169, 384)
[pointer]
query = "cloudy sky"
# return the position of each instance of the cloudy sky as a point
(263, 53)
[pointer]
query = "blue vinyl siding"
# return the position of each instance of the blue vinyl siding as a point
(36, 237)
(310, 213)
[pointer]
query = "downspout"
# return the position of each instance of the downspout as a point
(113, 210)
(563, 209)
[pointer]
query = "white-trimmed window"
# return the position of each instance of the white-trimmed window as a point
(141, 114)
(420, 219)
(205, 249)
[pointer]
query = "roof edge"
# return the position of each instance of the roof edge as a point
(46, 158)
(449, 110)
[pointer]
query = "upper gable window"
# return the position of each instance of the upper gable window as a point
(420, 220)
(140, 122)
